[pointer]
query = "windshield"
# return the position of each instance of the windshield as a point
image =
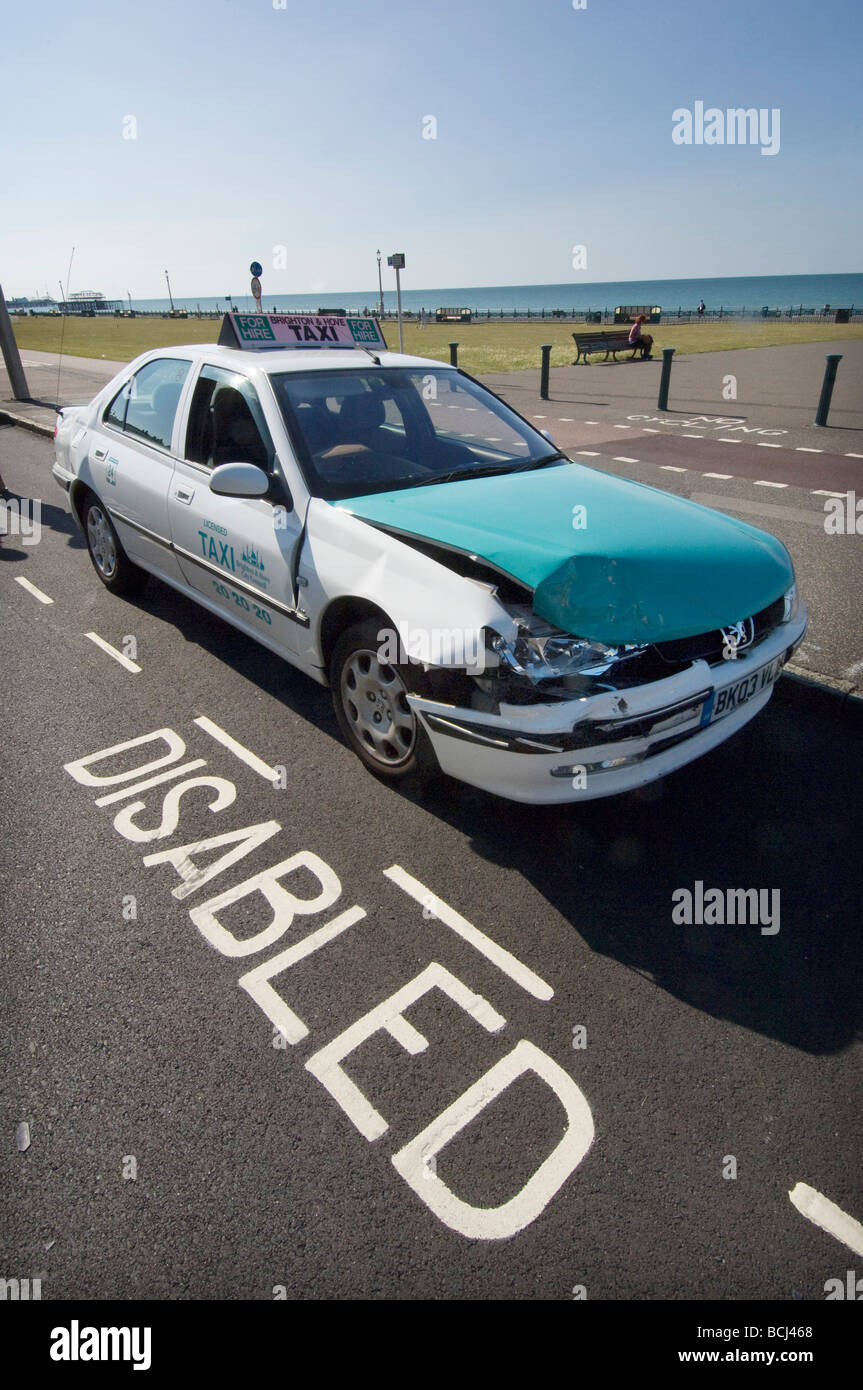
(380, 429)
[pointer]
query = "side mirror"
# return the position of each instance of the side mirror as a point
(239, 480)
(547, 435)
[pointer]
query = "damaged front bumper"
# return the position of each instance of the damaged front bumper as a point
(611, 742)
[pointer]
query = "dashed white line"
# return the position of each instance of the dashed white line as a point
(539, 417)
(725, 440)
(112, 651)
(31, 589)
(670, 468)
(588, 453)
(621, 458)
(692, 436)
(251, 760)
(623, 427)
(854, 456)
(801, 449)
(717, 475)
(762, 444)
(822, 1212)
(565, 419)
(762, 482)
(509, 964)
(825, 492)
(646, 430)
(591, 422)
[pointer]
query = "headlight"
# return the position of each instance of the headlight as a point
(792, 603)
(551, 654)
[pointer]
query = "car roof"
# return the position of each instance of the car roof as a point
(272, 361)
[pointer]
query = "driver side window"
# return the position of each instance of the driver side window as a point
(226, 423)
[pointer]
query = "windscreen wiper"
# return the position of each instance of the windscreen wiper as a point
(488, 470)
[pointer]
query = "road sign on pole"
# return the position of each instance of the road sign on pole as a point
(397, 261)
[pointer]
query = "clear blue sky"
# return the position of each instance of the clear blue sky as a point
(303, 127)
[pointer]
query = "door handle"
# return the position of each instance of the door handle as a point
(99, 453)
(183, 494)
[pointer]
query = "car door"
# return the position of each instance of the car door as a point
(238, 552)
(131, 463)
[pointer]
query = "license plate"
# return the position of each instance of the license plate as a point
(725, 701)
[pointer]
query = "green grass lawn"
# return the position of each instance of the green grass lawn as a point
(483, 347)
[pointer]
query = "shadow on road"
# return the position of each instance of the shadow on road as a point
(778, 807)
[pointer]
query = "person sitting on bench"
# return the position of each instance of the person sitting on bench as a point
(641, 340)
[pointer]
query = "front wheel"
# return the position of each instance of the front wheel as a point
(110, 561)
(372, 708)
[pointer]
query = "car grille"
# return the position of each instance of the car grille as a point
(709, 645)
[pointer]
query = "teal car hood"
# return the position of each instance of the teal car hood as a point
(644, 566)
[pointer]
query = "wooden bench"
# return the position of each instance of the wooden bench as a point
(603, 342)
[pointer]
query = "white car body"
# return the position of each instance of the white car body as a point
(294, 577)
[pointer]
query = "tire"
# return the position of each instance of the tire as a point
(107, 555)
(370, 702)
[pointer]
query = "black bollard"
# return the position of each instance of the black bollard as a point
(833, 360)
(665, 379)
(546, 363)
(453, 354)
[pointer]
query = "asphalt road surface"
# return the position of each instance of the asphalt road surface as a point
(472, 1056)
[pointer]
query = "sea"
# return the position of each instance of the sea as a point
(750, 293)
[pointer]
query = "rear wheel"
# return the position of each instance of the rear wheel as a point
(110, 561)
(372, 708)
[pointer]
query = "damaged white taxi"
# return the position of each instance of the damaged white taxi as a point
(477, 602)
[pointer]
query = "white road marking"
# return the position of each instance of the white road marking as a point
(251, 760)
(565, 419)
(670, 468)
(854, 456)
(162, 777)
(692, 436)
(825, 492)
(539, 417)
(646, 430)
(801, 449)
(31, 589)
(509, 964)
(717, 475)
(588, 453)
(112, 651)
(621, 458)
(822, 1212)
(763, 483)
(591, 422)
(725, 440)
(623, 427)
(762, 444)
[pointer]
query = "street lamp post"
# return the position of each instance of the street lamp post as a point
(380, 287)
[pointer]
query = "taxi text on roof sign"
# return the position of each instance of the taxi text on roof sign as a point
(251, 331)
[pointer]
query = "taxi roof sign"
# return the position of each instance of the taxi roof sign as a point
(257, 332)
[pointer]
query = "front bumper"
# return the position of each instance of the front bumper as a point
(604, 744)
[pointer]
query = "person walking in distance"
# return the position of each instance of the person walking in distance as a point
(640, 340)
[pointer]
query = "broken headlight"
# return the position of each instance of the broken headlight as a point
(542, 652)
